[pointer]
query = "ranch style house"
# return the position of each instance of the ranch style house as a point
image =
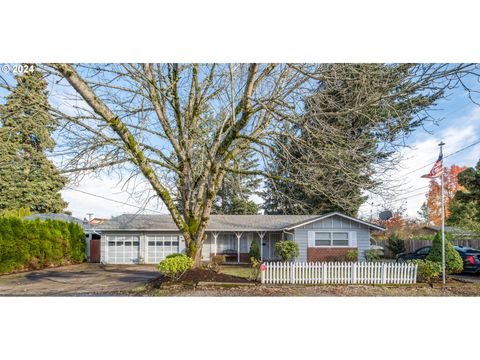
(133, 238)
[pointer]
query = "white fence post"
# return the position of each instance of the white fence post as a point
(354, 273)
(262, 275)
(384, 269)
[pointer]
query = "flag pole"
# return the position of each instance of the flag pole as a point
(443, 216)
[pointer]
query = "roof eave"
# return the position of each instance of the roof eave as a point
(321, 217)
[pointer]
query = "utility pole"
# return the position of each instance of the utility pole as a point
(443, 214)
(89, 235)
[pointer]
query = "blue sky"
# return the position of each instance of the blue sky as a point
(458, 126)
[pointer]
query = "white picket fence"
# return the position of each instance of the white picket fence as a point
(338, 273)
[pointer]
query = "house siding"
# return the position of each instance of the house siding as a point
(333, 223)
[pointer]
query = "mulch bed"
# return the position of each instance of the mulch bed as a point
(195, 276)
(207, 275)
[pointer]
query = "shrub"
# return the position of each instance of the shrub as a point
(287, 250)
(453, 260)
(34, 244)
(395, 244)
(254, 251)
(174, 267)
(373, 254)
(173, 255)
(255, 268)
(427, 270)
(352, 255)
(216, 261)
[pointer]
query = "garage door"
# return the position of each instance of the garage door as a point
(160, 246)
(123, 249)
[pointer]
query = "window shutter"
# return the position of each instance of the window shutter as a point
(352, 238)
(311, 238)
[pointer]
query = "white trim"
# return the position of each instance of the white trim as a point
(238, 235)
(321, 217)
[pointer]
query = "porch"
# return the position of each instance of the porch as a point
(236, 245)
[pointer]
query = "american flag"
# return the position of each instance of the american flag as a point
(437, 169)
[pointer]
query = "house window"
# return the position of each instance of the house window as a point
(323, 239)
(331, 238)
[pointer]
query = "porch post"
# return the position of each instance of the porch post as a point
(215, 236)
(261, 234)
(239, 235)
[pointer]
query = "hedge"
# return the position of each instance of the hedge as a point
(35, 244)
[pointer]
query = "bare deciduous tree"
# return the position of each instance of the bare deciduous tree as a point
(180, 126)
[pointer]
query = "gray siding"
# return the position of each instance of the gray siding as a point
(333, 223)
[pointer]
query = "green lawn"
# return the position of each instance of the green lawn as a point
(237, 270)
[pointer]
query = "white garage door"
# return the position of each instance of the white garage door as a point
(160, 246)
(123, 249)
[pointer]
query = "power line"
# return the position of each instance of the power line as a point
(113, 200)
(433, 162)
(424, 166)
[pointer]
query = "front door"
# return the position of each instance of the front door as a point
(95, 250)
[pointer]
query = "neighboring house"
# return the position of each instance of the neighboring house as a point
(90, 233)
(98, 221)
(432, 230)
(149, 239)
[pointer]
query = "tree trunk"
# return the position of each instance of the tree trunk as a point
(197, 258)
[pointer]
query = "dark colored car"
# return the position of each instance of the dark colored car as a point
(470, 257)
(420, 253)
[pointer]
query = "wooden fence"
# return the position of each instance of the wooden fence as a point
(338, 273)
(412, 245)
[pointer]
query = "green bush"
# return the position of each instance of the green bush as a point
(373, 254)
(453, 260)
(173, 255)
(34, 244)
(287, 250)
(427, 270)
(174, 267)
(352, 255)
(395, 244)
(254, 250)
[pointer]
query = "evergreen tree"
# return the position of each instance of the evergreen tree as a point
(453, 260)
(27, 177)
(333, 158)
(234, 195)
(465, 206)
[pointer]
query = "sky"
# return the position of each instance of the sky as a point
(458, 126)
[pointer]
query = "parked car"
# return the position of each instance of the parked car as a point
(470, 257)
(420, 253)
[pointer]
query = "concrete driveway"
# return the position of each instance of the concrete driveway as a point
(78, 280)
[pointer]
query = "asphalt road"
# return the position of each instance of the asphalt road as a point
(77, 280)
(473, 278)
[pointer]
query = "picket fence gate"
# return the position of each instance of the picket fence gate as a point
(338, 273)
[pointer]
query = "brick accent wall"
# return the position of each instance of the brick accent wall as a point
(327, 253)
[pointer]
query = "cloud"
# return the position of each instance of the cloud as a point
(416, 161)
(81, 204)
